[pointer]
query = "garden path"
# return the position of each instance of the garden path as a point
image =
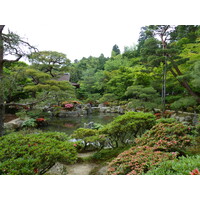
(78, 168)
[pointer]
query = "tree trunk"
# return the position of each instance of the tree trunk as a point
(1, 79)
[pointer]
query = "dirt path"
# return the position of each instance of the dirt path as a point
(78, 168)
(81, 168)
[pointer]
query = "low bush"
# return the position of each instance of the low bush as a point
(29, 123)
(127, 126)
(163, 142)
(166, 120)
(34, 153)
(167, 137)
(138, 160)
(90, 137)
(107, 154)
(180, 166)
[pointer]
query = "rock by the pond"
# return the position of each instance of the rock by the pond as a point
(16, 123)
(89, 125)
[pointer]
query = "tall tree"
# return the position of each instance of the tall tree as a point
(10, 45)
(168, 53)
(49, 61)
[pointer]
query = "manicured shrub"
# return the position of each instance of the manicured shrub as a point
(90, 137)
(106, 154)
(166, 120)
(163, 142)
(180, 166)
(34, 153)
(167, 137)
(138, 160)
(127, 126)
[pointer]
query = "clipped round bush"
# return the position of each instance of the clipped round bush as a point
(90, 138)
(163, 142)
(167, 137)
(138, 160)
(34, 153)
(180, 166)
(128, 126)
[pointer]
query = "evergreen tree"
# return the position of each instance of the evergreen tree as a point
(115, 51)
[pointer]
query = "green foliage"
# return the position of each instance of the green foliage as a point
(34, 153)
(115, 51)
(127, 126)
(97, 126)
(184, 103)
(194, 149)
(107, 154)
(163, 142)
(172, 137)
(138, 160)
(29, 123)
(90, 136)
(36, 113)
(146, 98)
(119, 80)
(49, 61)
(116, 62)
(109, 97)
(195, 75)
(180, 166)
(166, 120)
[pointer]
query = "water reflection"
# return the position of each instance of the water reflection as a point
(69, 124)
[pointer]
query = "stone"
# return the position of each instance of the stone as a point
(181, 119)
(16, 123)
(89, 125)
(57, 169)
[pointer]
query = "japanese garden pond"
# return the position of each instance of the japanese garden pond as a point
(70, 124)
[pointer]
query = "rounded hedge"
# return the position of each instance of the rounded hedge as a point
(34, 153)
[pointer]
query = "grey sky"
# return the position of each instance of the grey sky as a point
(80, 28)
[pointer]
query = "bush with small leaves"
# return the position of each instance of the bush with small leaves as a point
(166, 120)
(138, 160)
(163, 142)
(90, 137)
(167, 137)
(34, 153)
(127, 126)
(179, 166)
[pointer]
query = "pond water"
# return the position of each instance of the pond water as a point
(69, 124)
